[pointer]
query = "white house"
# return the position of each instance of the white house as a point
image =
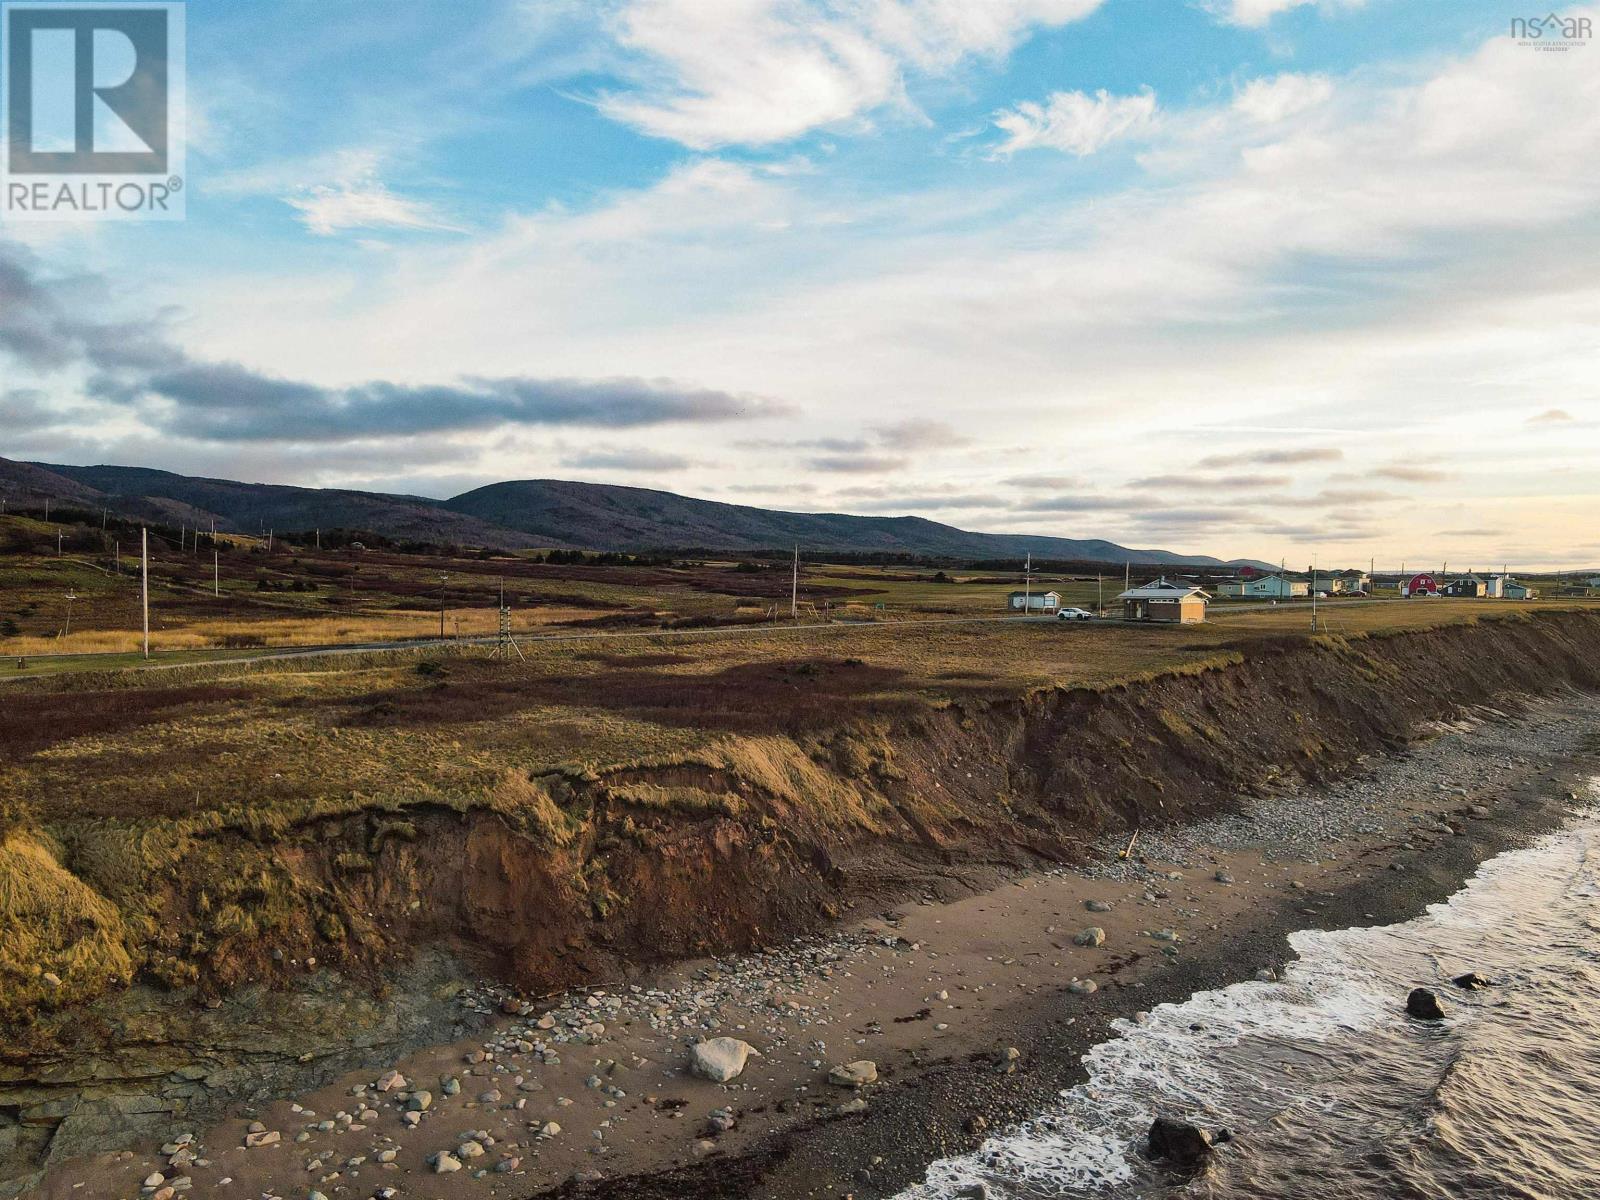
(1036, 601)
(1259, 587)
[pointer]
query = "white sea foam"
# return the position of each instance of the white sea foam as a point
(1176, 1060)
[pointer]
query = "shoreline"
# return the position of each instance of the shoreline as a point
(930, 1115)
(869, 991)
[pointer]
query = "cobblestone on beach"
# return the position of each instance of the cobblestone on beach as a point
(1301, 821)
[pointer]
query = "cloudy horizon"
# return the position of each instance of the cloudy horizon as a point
(1277, 279)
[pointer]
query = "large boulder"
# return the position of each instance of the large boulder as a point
(855, 1074)
(1185, 1146)
(1424, 1005)
(1471, 981)
(720, 1059)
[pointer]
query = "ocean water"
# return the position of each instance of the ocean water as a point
(1330, 1090)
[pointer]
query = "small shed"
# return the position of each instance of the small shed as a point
(1036, 601)
(1513, 590)
(1165, 601)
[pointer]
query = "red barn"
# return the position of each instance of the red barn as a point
(1420, 585)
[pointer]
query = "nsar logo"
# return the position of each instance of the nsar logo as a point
(1552, 32)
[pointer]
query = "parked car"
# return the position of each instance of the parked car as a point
(1074, 614)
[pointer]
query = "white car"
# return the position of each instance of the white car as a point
(1074, 614)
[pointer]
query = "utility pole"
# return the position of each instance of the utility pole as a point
(1027, 586)
(1313, 595)
(794, 586)
(319, 546)
(444, 578)
(1100, 587)
(507, 645)
(116, 551)
(216, 572)
(66, 629)
(59, 536)
(144, 584)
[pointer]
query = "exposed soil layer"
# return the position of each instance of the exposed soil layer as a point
(587, 875)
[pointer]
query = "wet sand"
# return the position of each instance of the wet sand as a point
(936, 995)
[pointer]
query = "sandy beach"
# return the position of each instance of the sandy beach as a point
(972, 1007)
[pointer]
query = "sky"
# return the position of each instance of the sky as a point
(1301, 280)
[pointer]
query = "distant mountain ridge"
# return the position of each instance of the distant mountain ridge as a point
(540, 512)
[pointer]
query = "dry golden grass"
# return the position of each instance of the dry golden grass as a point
(276, 630)
(283, 741)
(60, 941)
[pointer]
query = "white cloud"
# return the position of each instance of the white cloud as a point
(754, 72)
(1253, 14)
(1405, 262)
(1076, 122)
(1269, 100)
(350, 195)
(363, 204)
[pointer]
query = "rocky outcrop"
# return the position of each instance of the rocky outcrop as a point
(1181, 1145)
(1424, 1005)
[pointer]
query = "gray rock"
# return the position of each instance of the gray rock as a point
(721, 1058)
(1424, 1005)
(1185, 1146)
(1092, 936)
(855, 1074)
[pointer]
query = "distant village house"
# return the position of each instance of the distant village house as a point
(1165, 601)
(1036, 601)
(1420, 585)
(1268, 587)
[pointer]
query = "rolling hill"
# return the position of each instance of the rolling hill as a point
(535, 512)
